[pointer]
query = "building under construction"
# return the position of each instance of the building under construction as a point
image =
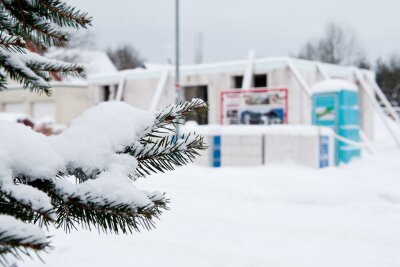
(262, 91)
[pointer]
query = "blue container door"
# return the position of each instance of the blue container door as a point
(216, 151)
(324, 151)
(325, 113)
(349, 125)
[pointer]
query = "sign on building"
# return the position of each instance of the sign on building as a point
(254, 106)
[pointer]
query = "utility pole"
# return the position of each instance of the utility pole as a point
(177, 59)
(198, 52)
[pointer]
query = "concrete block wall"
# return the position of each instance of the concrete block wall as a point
(241, 150)
(68, 101)
(267, 148)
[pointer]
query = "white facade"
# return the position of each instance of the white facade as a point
(66, 102)
(154, 88)
(69, 97)
(145, 88)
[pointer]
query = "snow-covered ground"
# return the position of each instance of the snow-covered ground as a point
(278, 215)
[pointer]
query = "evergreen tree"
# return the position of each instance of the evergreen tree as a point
(83, 177)
(35, 24)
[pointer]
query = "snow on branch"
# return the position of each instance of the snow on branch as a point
(32, 70)
(29, 162)
(42, 22)
(81, 177)
(18, 238)
(173, 115)
(63, 14)
(35, 203)
(159, 149)
(11, 43)
(36, 25)
(161, 154)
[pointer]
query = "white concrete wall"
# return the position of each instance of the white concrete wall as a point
(241, 150)
(265, 149)
(139, 92)
(303, 150)
(69, 102)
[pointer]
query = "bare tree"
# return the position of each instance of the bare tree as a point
(338, 45)
(125, 57)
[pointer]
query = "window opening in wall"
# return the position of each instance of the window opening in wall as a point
(237, 81)
(199, 91)
(109, 92)
(106, 91)
(260, 80)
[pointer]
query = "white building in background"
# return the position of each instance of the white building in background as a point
(287, 85)
(273, 90)
(66, 102)
(154, 88)
(69, 97)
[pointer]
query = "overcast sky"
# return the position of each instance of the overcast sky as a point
(231, 27)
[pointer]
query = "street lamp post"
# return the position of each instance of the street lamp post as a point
(177, 59)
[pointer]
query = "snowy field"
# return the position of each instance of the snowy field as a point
(278, 215)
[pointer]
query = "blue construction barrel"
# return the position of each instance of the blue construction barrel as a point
(335, 105)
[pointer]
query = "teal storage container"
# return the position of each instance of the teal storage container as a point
(335, 105)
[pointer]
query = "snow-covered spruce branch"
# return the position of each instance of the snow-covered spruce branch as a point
(12, 43)
(39, 24)
(24, 210)
(63, 14)
(158, 149)
(26, 157)
(3, 81)
(42, 22)
(81, 177)
(33, 70)
(17, 238)
(164, 153)
(81, 205)
(109, 217)
(172, 115)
